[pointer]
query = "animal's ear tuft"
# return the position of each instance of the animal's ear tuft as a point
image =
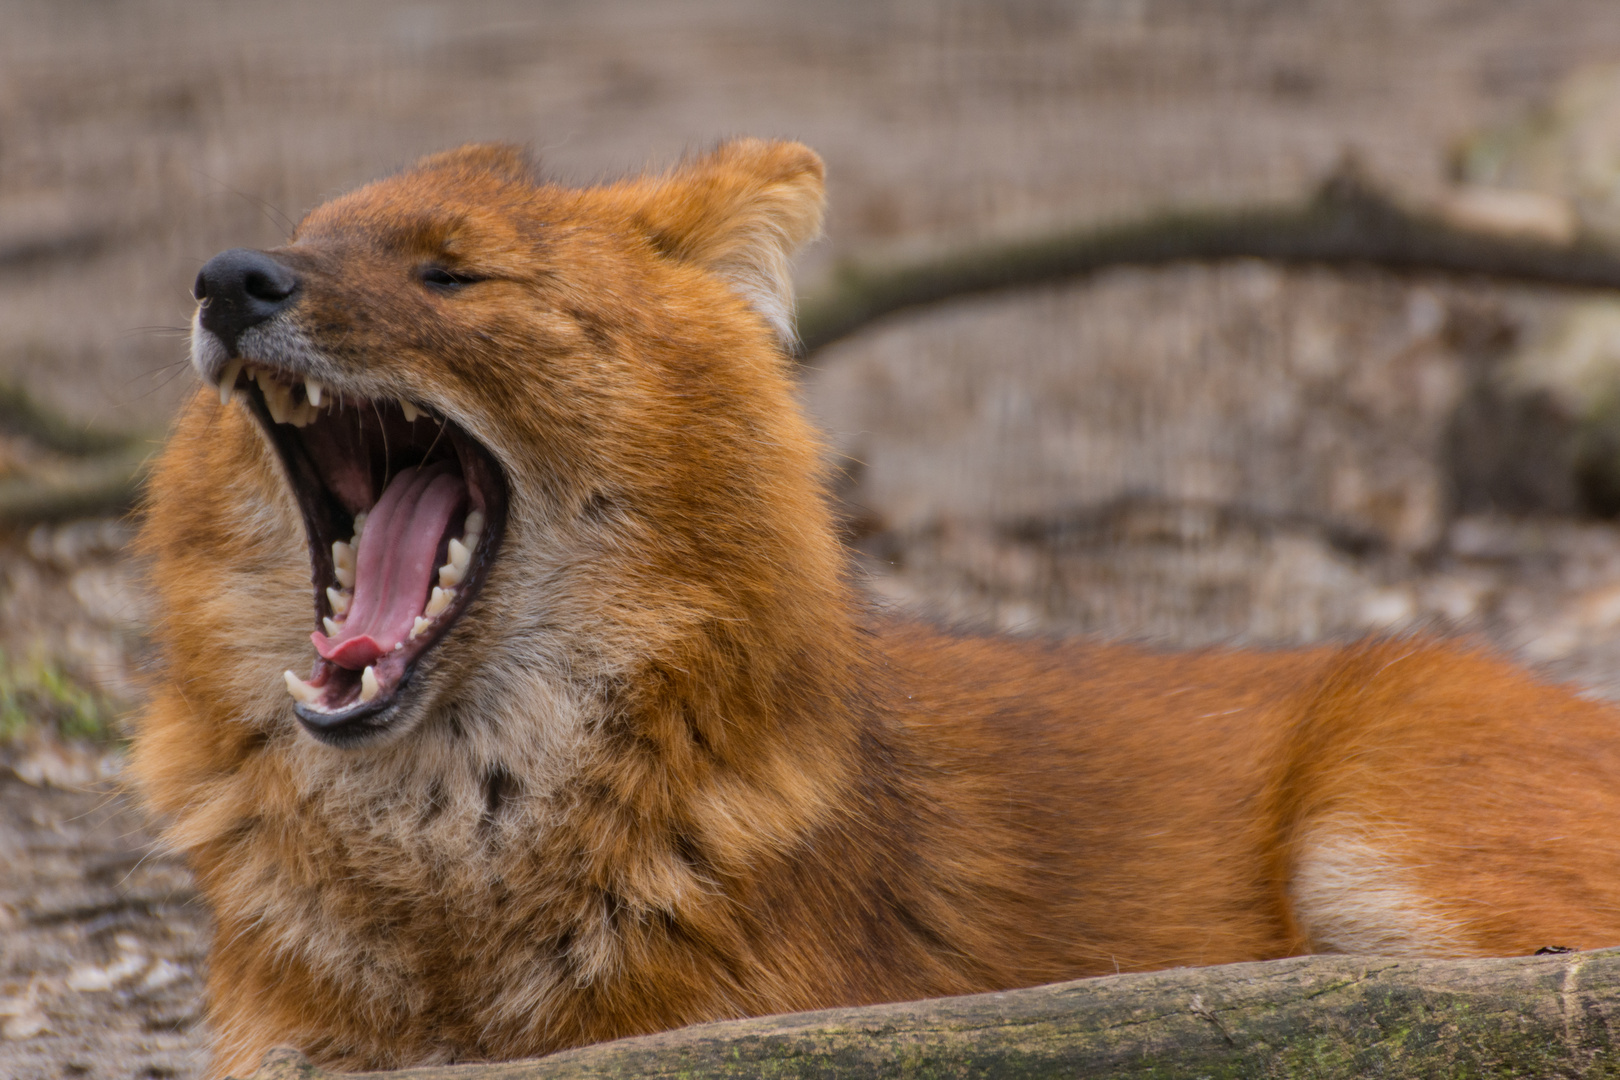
(741, 212)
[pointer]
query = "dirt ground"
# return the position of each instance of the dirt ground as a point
(1192, 456)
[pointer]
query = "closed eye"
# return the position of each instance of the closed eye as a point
(444, 279)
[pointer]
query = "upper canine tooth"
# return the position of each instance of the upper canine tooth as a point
(332, 625)
(438, 600)
(313, 388)
(339, 600)
(227, 381)
(368, 684)
(300, 690)
(411, 411)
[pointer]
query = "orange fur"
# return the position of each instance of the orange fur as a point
(671, 767)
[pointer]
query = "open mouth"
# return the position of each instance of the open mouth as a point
(403, 511)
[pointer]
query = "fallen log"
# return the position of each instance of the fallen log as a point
(1320, 1017)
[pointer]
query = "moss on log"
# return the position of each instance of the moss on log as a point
(1319, 1017)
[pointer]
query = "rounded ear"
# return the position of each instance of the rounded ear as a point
(740, 211)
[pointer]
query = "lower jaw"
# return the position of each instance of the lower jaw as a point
(357, 724)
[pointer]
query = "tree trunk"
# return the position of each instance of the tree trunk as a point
(1323, 1016)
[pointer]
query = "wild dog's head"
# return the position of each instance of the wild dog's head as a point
(518, 426)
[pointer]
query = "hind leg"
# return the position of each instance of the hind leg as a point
(1440, 802)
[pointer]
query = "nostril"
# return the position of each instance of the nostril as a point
(262, 286)
(199, 288)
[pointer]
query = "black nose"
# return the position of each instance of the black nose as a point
(241, 288)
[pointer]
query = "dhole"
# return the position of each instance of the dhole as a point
(592, 733)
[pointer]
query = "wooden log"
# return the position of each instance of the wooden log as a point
(1319, 1017)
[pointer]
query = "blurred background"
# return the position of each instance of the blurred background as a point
(1194, 454)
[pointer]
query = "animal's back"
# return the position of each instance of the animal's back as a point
(1400, 796)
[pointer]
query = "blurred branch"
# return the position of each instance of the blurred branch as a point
(94, 471)
(1319, 1016)
(1348, 222)
(21, 415)
(105, 484)
(29, 252)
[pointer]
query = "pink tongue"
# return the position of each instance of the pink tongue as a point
(394, 568)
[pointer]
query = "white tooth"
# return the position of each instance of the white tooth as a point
(398, 645)
(299, 689)
(450, 575)
(332, 625)
(460, 555)
(360, 524)
(276, 398)
(474, 525)
(313, 389)
(227, 381)
(438, 600)
(411, 411)
(339, 600)
(419, 625)
(368, 684)
(343, 563)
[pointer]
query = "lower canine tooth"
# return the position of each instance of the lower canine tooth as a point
(339, 600)
(301, 691)
(227, 381)
(368, 684)
(331, 624)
